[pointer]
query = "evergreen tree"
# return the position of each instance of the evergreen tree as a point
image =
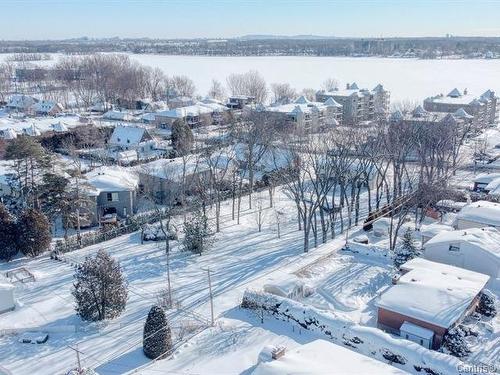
(182, 137)
(8, 247)
(197, 234)
(100, 289)
(486, 305)
(33, 232)
(454, 342)
(407, 250)
(157, 338)
(31, 162)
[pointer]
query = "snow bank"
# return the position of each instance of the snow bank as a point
(369, 341)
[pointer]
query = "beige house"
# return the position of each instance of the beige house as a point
(483, 109)
(359, 104)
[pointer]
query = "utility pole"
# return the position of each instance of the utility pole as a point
(77, 358)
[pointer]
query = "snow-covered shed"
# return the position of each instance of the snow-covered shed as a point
(7, 301)
(321, 357)
(475, 249)
(288, 286)
(430, 295)
(478, 215)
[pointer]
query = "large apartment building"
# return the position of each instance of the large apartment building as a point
(359, 104)
(306, 115)
(483, 109)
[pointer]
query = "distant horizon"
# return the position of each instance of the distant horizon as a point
(30, 20)
(256, 37)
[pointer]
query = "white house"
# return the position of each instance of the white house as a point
(125, 141)
(475, 249)
(7, 301)
(478, 215)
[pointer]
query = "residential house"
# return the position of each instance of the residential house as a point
(21, 103)
(47, 108)
(475, 249)
(483, 109)
(238, 102)
(117, 116)
(130, 143)
(114, 190)
(166, 180)
(482, 180)
(478, 214)
(359, 104)
(303, 114)
(201, 113)
(427, 300)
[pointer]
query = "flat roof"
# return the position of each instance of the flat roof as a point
(483, 212)
(321, 357)
(416, 330)
(433, 292)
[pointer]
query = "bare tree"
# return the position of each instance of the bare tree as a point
(283, 92)
(330, 84)
(250, 83)
(182, 86)
(216, 90)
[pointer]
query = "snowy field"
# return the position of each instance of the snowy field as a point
(407, 79)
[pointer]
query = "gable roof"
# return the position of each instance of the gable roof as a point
(128, 135)
(332, 102)
(301, 100)
(462, 113)
(455, 93)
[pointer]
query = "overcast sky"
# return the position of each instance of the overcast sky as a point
(59, 19)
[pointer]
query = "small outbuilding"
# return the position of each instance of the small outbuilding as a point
(479, 214)
(7, 301)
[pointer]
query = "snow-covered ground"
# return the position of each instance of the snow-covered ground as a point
(406, 78)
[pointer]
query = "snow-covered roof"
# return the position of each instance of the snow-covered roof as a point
(419, 111)
(110, 179)
(301, 100)
(455, 93)
(8, 133)
(32, 131)
(493, 186)
(462, 113)
(486, 239)
(282, 285)
(323, 357)
(486, 178)
(197, 109)
(172, 169)
(100, 107)
(331, 102)
(128, 135)
(21, 101)
(117, 115)
(464, 99)
(5, 283)
(483, 212)
(433, 292)
(45, 106)
(59, 127)
(417, 330)
(431, 230)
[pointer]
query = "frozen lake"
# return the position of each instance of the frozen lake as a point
(407, 79)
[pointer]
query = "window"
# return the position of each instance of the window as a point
(112, 197)
(421, 342)
(406, 336)
(454, 248)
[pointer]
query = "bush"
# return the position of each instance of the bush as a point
(454, 342)
(157, 337)
(486, 305)
(100, 290)
(153, 232)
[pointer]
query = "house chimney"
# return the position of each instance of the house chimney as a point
(347, 86)
(465, 91)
